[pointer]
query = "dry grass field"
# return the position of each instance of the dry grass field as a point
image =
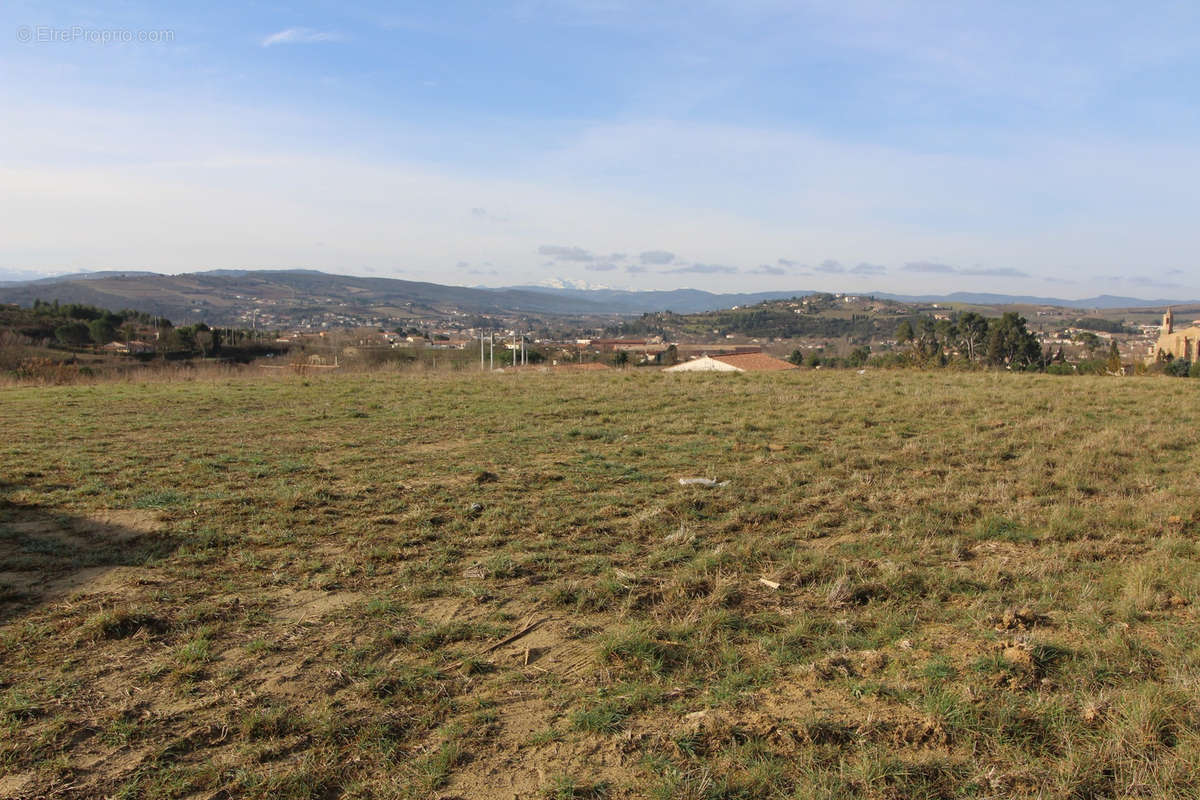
(912, 585)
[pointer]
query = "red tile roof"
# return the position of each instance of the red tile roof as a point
(754, 362)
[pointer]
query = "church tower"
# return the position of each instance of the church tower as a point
(1168, 323)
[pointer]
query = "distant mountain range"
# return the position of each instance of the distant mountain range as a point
(284, 297)
(986, 299)
(688, 301)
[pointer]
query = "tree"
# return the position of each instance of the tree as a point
(73, 334)
(102, 331)
(1179, 367)
(972, 334)
(1090, 342)
(858, 357)
(904, 333)
(1010, 344)
(927, 344)
(208, 341)
(620, 358)
(1113, 364)
(182, 338)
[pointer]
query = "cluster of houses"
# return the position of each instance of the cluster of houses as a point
(132, 348)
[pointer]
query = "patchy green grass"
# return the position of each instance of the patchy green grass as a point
(912, 585)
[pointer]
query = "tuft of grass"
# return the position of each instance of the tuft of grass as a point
(566, 787)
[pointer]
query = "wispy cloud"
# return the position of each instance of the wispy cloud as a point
(995, 272)
(929, 267)
(935, 268)
(600, 267)
(657, 257)
(869, 269)
(703, 269)
(300, 36)
(830, 267)
(634, 269)
(562, 253)
(767, 269)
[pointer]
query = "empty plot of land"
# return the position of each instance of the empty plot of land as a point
(903, 585)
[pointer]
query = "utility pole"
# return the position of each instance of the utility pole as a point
(492, 350)
(481, 351)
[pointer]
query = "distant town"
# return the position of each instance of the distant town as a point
(818, 330)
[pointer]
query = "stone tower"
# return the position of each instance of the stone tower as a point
(1168, 323)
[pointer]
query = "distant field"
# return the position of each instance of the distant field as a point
(976, 585)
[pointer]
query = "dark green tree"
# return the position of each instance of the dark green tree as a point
(101, 330)
(73, 334)
(1179, 367)
(182, 338)
(1010, 344)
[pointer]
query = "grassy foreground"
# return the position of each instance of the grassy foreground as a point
(912, 585)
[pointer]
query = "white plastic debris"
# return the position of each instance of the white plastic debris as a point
(709, 482)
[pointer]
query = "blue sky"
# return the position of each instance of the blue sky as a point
(854, 145)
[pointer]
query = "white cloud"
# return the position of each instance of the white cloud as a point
(300, 36)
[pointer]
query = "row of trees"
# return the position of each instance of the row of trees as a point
(87, 313)
(814, 359)
(972, 338)
(968, 339)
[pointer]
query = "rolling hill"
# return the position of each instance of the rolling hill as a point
(284, 298)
